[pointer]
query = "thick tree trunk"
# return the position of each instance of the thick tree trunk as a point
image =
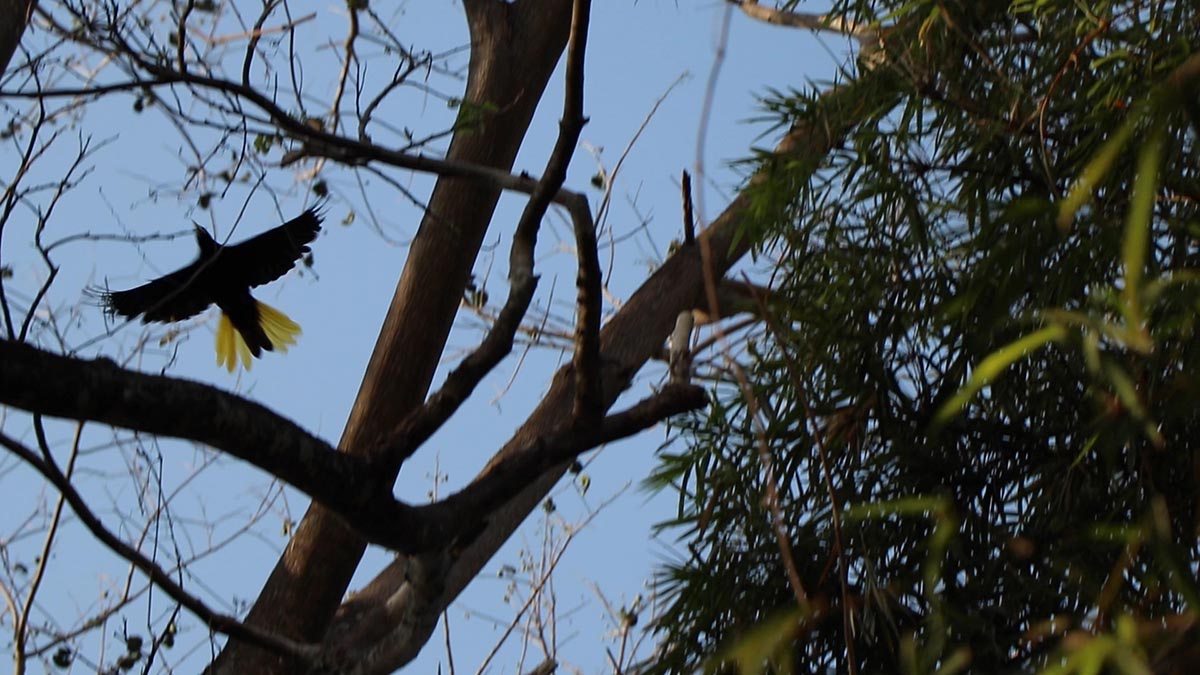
(514, 49)
(14, 16)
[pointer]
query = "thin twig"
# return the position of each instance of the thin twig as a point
(216, 621)
(181, 33)
(255, 35)
(12, 194)
(545, 578)
(22, 620)
(349, 58)
(710, 93)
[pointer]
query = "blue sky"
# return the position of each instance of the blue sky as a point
(638, 53)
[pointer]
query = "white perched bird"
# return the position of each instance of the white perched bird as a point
(679, 354)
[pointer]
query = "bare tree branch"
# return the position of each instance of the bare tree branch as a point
(219, 622)
(631, 337)
(493, 488)
(421, 423)
(100, 391)
(588, 407)
(689, 216)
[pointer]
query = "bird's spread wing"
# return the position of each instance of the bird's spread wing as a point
(270, 255)
(173, 297)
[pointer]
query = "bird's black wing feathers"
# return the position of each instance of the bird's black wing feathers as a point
(270, 255)
(188, 291)
(173, 297)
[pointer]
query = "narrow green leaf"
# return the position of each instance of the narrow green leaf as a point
(1086, 450)
(1091, 351)
(905, 506)
(1090, 660)
(995, 364)
(1154, 288)
(1093, 173)
(1137, 226)
(958, 661)
(760, 645)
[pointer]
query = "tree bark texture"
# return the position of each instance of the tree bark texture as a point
(14, 16)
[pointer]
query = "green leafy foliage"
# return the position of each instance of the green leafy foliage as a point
(982, 361)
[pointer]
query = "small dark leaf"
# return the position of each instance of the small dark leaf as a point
(133, 644)
(263, 143)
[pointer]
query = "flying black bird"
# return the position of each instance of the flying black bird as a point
(224, 275)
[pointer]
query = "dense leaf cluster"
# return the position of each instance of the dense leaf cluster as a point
(948, 247)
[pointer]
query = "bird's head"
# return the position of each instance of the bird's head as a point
(204, 240)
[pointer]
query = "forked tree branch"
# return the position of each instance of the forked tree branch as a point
(355, 487)
(416, 428)
(632, 336)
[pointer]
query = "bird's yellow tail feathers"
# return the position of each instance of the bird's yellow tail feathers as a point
(280, 330)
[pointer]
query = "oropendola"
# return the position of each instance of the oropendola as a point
(224, 275)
